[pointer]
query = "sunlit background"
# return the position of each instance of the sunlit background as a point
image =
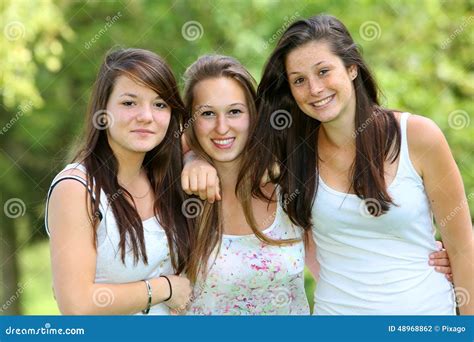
(421, 52)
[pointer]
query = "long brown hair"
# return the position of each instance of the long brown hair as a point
(295, 147)
(162, 164)
(209, 229)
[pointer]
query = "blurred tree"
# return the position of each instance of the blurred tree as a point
(32, 35)
(421, 53)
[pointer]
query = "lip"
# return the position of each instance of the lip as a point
(224, 146)
(142, 131)
(331, 97)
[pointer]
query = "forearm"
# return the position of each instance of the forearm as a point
(111, 299)
(463, 270)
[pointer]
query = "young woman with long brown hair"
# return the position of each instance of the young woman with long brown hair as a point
(248, 258)
(118, 238)
(369, 179)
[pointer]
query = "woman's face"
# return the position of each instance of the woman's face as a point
(320, 83)
(222, 118)
(140, 117)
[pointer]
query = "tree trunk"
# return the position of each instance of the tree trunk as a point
(10, 292)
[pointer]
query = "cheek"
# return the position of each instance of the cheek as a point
(202, 129)
(298, 94)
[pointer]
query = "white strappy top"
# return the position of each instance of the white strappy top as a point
(379, 265)
(109, 266)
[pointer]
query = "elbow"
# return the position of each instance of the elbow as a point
(76, 307)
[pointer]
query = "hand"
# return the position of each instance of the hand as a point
(181, 293)
(440, 260)
(200, 178)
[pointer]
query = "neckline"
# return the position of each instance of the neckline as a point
(265, 231)
(403, 119)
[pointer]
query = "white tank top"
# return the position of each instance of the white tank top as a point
(249, 277)
(109, 266)
(379, 265)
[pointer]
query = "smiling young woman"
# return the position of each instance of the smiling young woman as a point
(118, 237)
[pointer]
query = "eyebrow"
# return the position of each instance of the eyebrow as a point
(232, 104)
(135, 96)
(314, 65)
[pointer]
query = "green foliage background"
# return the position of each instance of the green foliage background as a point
(50, 53)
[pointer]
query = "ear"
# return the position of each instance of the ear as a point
(352, 70)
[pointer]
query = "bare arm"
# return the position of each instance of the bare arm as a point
(310, 255)
(444, 186)
(73, 258)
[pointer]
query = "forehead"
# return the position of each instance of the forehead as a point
(309, 54)
(218, 91)
(125, 84)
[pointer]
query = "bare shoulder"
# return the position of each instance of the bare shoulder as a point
(68, 197)
(423, 133)
(427, 145)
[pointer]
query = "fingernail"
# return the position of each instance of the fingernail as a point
(438, 268)
(431, 262)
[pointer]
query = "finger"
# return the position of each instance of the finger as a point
(185, 183)
(211, 188)
(443, 269)
(439, 245)
(193, 182)
(439, 255)
(439, 262)
(449, 276)
(202, 185)
(218, 190)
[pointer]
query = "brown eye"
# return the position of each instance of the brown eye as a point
(299, 80)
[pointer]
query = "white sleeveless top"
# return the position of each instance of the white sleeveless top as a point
(249, 277)
(109, 266)
(379, 265)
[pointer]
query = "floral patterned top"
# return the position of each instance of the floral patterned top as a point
(249, 277)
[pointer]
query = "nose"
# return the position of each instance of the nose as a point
(145, 114)
(315, 86)
(222, 124)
